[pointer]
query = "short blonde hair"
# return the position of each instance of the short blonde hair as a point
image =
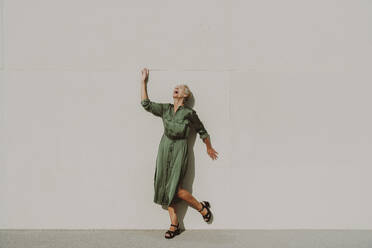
(187, 92)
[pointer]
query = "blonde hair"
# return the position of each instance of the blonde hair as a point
(187, 92)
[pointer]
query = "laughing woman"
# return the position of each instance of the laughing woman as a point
(172, 157)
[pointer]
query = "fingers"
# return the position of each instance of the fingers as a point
(145, 73)
(213, 155)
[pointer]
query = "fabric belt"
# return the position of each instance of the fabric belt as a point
(174, 138)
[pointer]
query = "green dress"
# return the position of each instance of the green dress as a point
(172, 157)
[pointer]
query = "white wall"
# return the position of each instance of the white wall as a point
(283, 87)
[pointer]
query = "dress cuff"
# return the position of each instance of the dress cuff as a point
(204, 135)
(145, 102)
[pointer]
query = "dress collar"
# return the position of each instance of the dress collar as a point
(181, 106)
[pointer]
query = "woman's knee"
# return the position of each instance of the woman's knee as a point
(172, 207)
(181, 192)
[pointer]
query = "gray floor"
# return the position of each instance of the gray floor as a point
(188, 238)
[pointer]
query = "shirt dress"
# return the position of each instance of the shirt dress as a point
(172, 156)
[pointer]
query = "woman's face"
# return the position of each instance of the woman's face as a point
(179, 91)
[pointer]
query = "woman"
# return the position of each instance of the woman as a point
(172, 157)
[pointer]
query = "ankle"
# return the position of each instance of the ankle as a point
(173, 228)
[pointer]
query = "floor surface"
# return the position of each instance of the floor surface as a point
(188, 238)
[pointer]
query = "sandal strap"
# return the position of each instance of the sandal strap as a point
(208, 214)
(203, 206)
(175, 225)
(171, 233)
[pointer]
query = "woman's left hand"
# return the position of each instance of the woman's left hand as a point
(212, 153)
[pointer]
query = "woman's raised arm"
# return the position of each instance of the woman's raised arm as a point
(144, 80)
(150, 106)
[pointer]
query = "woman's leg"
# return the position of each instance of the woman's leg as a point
(186, 196)
(173, 216)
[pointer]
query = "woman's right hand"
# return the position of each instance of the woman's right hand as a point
(145, 74)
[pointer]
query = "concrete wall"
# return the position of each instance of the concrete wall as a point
(283, 87)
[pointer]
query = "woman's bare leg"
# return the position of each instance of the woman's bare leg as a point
(173, 216)
(186, 196)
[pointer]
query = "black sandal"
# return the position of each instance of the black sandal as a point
(172, 233)
(206, 205)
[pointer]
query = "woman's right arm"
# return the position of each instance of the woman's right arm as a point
(147, 104)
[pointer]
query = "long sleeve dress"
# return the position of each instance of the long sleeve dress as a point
(172, 156)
